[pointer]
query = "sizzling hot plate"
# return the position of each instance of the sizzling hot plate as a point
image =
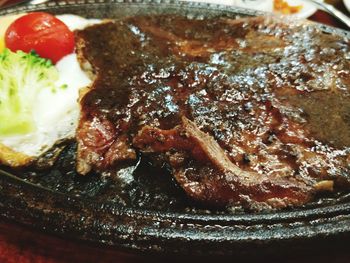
(149, 213)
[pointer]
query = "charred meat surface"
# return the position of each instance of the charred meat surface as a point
(249, 112)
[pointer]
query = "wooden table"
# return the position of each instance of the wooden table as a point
(19, 244)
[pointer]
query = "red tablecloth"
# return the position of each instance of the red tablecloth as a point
(22, 245)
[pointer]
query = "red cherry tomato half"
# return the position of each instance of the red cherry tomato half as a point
(48, 36)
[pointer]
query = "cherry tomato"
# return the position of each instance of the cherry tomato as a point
(48, 36)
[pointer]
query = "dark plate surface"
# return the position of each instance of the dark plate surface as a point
(147, 212)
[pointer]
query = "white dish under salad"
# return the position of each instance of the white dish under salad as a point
(347, 4)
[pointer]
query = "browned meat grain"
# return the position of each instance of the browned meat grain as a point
(250, 112)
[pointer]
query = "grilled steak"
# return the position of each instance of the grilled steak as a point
(250, 112)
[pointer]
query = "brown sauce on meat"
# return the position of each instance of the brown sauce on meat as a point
(274, 97)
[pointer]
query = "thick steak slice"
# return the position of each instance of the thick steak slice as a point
(203, 169)
(250, 111)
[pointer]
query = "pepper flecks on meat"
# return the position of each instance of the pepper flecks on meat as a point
(250, 111)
